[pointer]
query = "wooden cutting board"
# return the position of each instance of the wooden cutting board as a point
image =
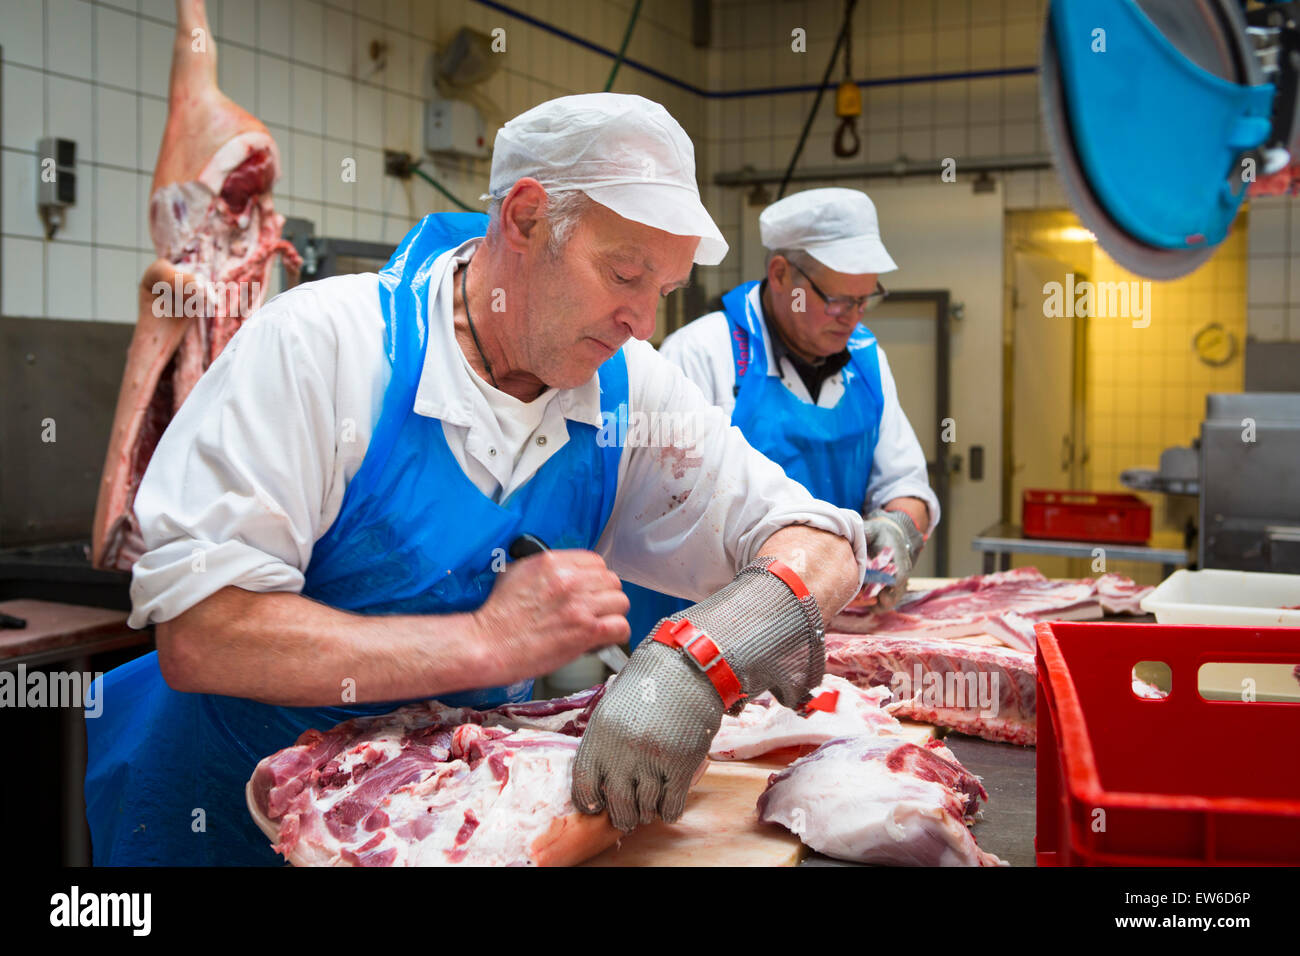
(719, 826)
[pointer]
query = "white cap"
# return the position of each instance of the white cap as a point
(837, 227)
(624, 151)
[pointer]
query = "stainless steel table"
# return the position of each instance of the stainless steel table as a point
(1004, 539)
(1007, 821)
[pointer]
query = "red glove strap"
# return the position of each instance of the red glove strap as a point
(704, 652)
(826, 700)
(792, 580)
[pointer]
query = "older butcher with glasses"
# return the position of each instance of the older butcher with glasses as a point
(789, 358)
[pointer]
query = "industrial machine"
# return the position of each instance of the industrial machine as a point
(1239, 473)
(1250, 497)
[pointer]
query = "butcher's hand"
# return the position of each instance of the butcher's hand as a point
(651, 732)
(894, 530)
(549, 608)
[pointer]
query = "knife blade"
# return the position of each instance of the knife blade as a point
(879, 577)
(528, 544)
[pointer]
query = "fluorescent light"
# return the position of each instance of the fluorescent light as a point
(1075, 234)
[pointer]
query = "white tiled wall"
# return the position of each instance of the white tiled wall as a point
(942, 235)
(1273, 269)
(926, 121)
(97, 72)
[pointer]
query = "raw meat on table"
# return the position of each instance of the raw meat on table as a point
(1147, 691)
(765, 725)
(865, 599)
(984, 691)
(880, 800)
(1121, 595)
(920, 649)
(216, 234)
(429, 785)
(1006, 605)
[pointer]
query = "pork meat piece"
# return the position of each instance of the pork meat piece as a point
(1121, 595)
(765, 725)
(429, 785)
(217, 234)
(1148, 691)
(865, 599)
(1005, 605)
(987, 692)
(880, 800)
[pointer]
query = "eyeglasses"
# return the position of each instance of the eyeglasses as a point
(842, 304)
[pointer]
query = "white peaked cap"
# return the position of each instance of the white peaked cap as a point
(625, 152)
(837, 227)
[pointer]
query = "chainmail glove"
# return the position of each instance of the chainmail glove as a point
(893, 529)
(650, 733)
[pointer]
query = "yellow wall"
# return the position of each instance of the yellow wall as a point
(1146, 387)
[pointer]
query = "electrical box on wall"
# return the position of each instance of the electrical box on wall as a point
(456, 127)
(56, 180)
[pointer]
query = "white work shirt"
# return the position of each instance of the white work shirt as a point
(252, 470)
(702, 349)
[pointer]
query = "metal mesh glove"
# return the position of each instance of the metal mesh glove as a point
(646, 738)
(652, 729)
(772, 640)
(893, 529)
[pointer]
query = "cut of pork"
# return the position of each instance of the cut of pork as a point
(984, 691)
(1004, 605)
(865, 599)
(765, 725)
(1121, 595)
(880, 800)
(217, 235)
(429, 785)
(1147, 691)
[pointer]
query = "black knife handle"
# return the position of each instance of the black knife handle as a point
(525, 545)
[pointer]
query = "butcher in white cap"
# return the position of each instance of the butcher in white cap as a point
(427, 483)
(791, 363)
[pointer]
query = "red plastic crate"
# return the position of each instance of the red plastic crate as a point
(1181, 781)
(1086, 516)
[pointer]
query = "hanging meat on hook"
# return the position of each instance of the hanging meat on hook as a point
(216, 234)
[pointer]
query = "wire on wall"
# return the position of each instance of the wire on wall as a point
(821, 90)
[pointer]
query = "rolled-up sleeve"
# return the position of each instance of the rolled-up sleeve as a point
(898, 469)
(251, 469)
(688, 515)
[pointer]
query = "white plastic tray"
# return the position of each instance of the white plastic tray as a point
(1245, 598)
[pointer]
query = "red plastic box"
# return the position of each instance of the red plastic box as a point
(1086, 516)
(1124, 781)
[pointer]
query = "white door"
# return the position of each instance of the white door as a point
(907, 333)
(946, 236)
(1046, 450)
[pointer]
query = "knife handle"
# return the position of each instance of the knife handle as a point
(526, 545)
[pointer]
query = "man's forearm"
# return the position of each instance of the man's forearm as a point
(282, 648)
(823, 560)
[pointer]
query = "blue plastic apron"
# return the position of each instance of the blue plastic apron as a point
(166, 771)
(827, 450)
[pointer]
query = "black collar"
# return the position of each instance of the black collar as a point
(813, 374)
